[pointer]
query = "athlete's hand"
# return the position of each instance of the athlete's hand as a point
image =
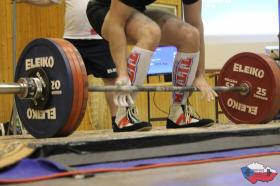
(123, 99)
(206, 90)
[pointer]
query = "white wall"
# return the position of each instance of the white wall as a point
(220, 48)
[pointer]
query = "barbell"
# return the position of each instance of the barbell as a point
(51, 88)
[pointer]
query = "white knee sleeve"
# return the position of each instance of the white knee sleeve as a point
(183, 74)
(138, 66)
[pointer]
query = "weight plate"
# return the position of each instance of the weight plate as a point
(262, 75)
(81, 93)
(53, 59)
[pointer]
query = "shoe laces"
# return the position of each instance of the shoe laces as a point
(132, 114)
(190, 113)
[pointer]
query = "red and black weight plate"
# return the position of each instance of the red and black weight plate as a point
(50, 120)
(262, 75)
(84, 83)
(81, 93)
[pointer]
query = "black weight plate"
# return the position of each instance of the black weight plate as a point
(46, 54)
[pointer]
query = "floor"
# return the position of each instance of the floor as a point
(227, 173)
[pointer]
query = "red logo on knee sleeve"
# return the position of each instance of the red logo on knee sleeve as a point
(132, 65)
(181, 76)
(178, 97)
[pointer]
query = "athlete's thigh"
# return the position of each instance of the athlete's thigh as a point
(137, 25)
(170, 26)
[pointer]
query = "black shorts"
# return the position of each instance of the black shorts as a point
(138, 4)
(97, 10)
(97, 57)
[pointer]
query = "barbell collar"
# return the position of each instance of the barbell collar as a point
(25, 88)
(31, 88)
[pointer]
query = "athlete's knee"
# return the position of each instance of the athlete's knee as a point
(189, 37)
(150, 36)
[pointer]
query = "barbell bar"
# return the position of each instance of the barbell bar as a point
(242, 89)
(12, 88)
(52, 88)
(20, 88)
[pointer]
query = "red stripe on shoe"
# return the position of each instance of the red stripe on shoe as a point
(182, 118)
(123, 122)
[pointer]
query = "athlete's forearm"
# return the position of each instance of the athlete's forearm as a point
(192, 15)
(201, 64)
(114, 28)
(118, 48)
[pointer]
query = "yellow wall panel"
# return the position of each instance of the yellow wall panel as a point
(6, 72)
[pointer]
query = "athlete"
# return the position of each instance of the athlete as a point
(123, 22)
